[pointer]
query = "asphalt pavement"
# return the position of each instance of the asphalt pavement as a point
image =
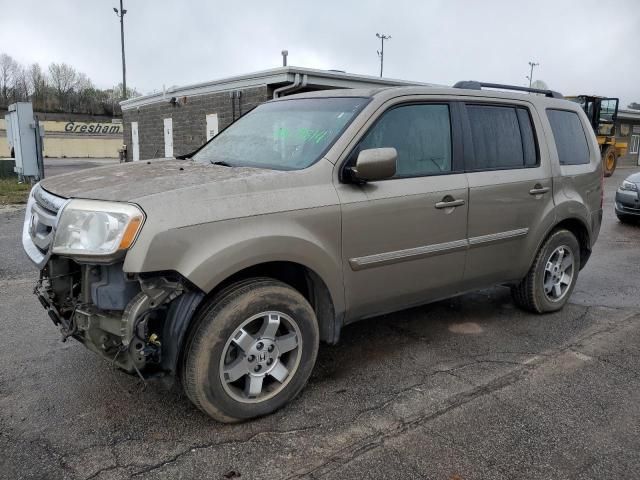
(469, 388)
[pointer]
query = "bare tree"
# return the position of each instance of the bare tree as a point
(118, 93)
(37, 79)
(63, 89)
(38, 85)
(63, 80)
(83, 82)
(21, 88)
(85, 94)
(7, 72)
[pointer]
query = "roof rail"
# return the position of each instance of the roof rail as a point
(473, 85)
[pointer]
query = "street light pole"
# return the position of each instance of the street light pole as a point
(121, 14)
(530, 77)
(382, 38)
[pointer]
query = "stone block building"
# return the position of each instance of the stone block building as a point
(181, 119)
(628, 130)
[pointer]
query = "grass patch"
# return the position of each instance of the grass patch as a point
(13, 192)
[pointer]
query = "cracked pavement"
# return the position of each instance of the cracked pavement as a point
(461, 389)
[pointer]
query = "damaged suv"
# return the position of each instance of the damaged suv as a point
(226, 268)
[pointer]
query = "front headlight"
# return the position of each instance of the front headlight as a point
(93, 227)
(627, 185)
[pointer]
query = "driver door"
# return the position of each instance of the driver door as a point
(404, 239)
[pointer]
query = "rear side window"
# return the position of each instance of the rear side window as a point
(503, 137)
(571, 141)
(421, 134)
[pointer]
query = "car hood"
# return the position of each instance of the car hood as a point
(136, 180)
(634, 178)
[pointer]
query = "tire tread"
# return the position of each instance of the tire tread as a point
(524, 293)
(194, 341)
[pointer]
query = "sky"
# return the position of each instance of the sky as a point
(582, 46)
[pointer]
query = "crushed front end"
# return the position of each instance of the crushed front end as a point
(135, 320)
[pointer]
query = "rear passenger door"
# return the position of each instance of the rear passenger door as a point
(510, 190)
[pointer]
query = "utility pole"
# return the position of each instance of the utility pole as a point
(530, 77)
(382, 38)
(121, 14)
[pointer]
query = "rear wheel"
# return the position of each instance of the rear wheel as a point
(553, 275)
(609, 161)
(252, 350)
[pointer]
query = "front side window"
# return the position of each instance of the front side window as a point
(285, 135)
(421, 134)
(502, 137)
(571, 141)
(608, 109)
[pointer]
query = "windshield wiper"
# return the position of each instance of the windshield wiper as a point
(221, 163)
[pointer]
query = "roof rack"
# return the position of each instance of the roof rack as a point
(473, 85)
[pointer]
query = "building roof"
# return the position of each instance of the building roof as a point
(628, 114)
(321, 79)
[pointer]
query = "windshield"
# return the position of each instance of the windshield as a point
(286, 135)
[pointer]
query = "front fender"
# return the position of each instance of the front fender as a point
(209, 253)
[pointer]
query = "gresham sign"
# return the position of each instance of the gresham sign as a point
(94, 128)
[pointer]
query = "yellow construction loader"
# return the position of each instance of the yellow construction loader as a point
(602, 113)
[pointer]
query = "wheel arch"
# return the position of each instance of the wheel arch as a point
(301, 278)
(581, 232)
(183, 311)
(578, 228)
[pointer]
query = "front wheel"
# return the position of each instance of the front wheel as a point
(252, 350)
(553, 275)
(626, 218)
(609, 161)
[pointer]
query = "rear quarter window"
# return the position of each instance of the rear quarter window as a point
(570, 137)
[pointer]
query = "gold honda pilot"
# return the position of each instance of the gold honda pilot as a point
(227, 267)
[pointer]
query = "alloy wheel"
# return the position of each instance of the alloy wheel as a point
(558, 273)
(261, 357)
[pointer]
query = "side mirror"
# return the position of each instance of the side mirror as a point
(375, 164)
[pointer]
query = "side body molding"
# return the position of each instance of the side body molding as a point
(387, 258)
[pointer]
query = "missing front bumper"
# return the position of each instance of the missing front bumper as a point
(130, 336)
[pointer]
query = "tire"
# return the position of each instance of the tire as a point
(609, 161)
(260, 328)
(531, 293)
(627, 219)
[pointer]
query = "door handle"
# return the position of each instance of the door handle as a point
(449, 203)
(538, 189)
